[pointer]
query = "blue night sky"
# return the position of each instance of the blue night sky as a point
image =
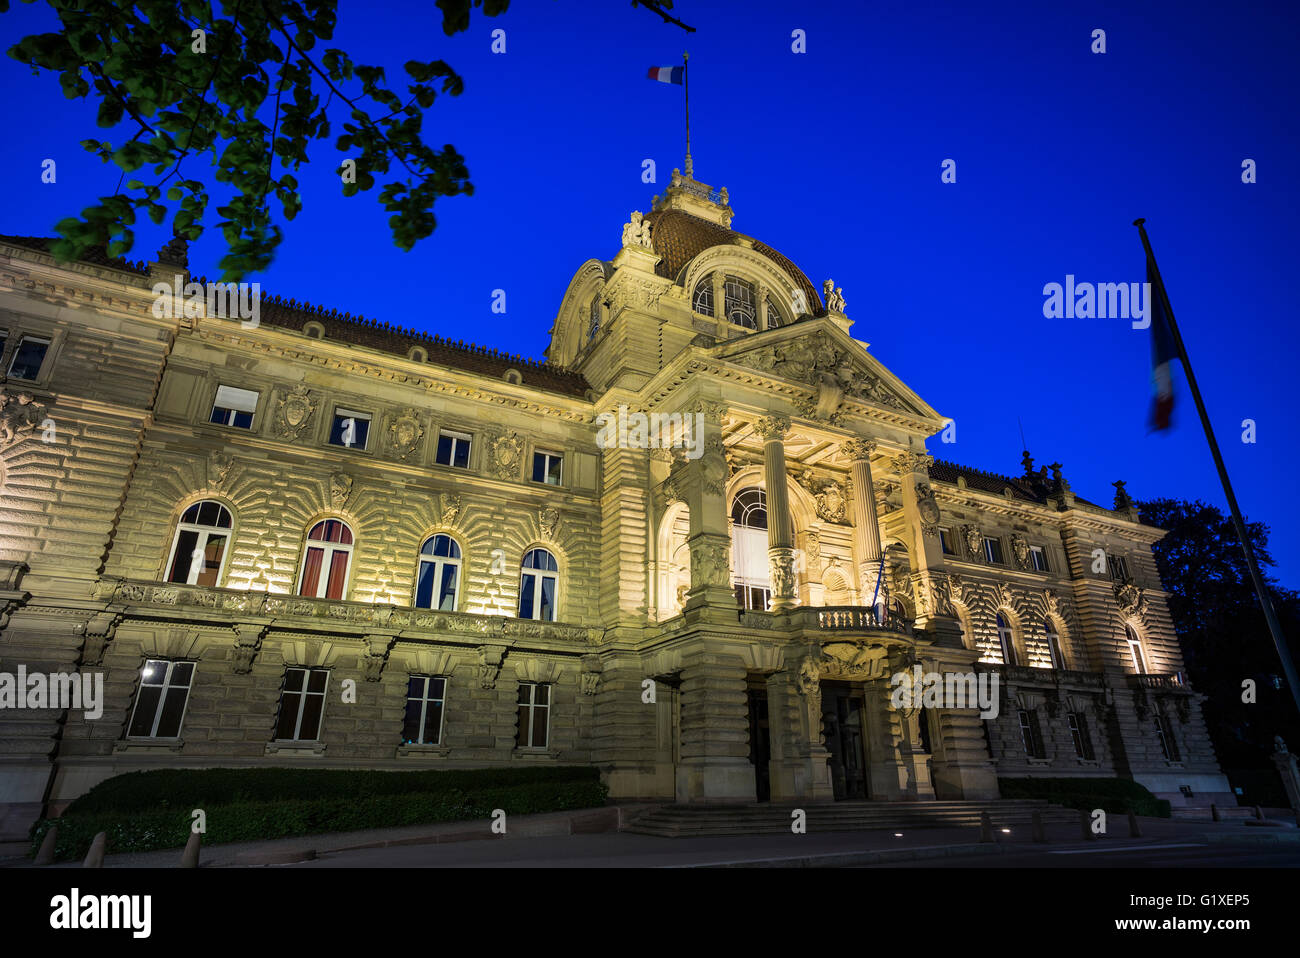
(833, 157)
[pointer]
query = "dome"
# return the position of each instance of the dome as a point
(678, 237)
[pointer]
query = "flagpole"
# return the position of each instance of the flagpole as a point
(686, 90)
(1279, 640)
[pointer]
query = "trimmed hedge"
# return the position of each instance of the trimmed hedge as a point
(1118, 796)
(147, 811)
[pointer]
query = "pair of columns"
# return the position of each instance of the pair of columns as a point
(780, 529)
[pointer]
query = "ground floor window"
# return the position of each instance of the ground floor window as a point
(534, 715)
(1079, 734)
(1165, 733)
(302, 704)
(160, 704)
(1031, 735)
(424, 701)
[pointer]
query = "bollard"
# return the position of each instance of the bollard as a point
(1036, 826)
(1085, 826)
(986, 828)
(95, 857)
(45, 856)
(1214, 812)
(190, 857)
(1259, 814)
(1134, 829)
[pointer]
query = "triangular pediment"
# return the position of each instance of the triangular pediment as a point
(819, 355)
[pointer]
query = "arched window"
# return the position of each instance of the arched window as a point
(593, 318)
(774, 317)
(325, 560)
(1135, 650)
(438, 573)
(702, 300)
(200, 544)
(1006, 642)
(741, 309)
(1053, 644)
(749, 549)
(538, 581)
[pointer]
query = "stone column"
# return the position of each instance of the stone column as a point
(866, 524)
(704, 487)
(715, 764)
(760, 305)
(780, 535)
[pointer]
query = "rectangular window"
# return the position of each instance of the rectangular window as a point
(1030, 734)
(1165, 733)
(350, 429)
(1139, 657)
(1079, 734)
(1038, 557)
(993, 550)
(302, 703)
(424, 699)
(453, 450)
(160, 704)
(945, 541)
(28, 358)
(234, 407)
(546, 467)
(534, 715)
(1118, 567)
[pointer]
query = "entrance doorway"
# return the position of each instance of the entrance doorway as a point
(842, 719)
(760, 743)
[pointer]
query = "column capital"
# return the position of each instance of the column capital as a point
(772, 428)
(910, 462)
(712, 409)
(858, 449)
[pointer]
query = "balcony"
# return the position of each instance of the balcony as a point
(166, 599)
(831, 618)
(1160, 682)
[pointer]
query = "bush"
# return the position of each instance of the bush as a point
(1118, 796)
(147, 811)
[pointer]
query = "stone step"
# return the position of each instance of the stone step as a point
(677, 820)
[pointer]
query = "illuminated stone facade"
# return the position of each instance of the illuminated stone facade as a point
(314, 463)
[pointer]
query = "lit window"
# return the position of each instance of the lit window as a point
(538, 582)
(160, 703)
(200, 544)
(435, 580)
(325, 560)
(28, 358)
(1038, 558)
(741, 310)
(350, 429)
(302, 703)
(752, 580)
(547, 467)
(234, 407)
(1135, 650)
(1054, 645)
(702, 300)
(453, 450)
(534, 715)
(1006, 641)
(993, 550)
(424, 700)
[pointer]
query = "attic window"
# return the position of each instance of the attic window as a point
(702, 301)
(774, 318)
(740, 303)
(593, 319)
(314, 329)
(417, 355)
(513, 376)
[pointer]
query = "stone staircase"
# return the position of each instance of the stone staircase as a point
(679, 821)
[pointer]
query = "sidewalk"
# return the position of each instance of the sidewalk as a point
(589, 839)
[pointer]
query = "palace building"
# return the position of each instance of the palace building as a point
(322, 541)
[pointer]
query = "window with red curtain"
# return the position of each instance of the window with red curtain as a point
(329, 548)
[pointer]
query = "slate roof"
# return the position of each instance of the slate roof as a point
(1024, 488)
(678, 237)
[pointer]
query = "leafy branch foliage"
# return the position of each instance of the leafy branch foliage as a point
(253, 93)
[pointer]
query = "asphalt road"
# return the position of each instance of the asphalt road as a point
(1190, 855)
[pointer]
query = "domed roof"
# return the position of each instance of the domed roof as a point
(678, 237)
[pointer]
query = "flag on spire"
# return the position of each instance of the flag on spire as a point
(667, 74)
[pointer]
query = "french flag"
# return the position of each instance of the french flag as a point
(667, 74)
(1163, 354)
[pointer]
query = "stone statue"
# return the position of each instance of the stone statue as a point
(632, 231)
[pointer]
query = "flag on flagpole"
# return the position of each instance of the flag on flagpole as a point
(667, 74)
(1163, 353)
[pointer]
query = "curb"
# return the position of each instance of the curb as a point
(860, 858)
